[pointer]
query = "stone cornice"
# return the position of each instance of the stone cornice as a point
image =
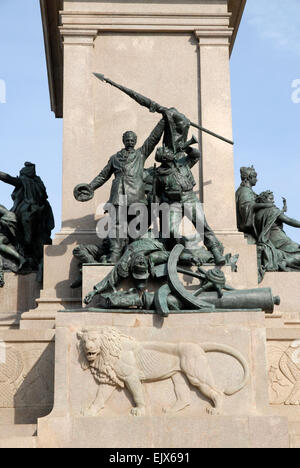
(214, 36)
(81, 28)
(54, 55)
(236, 7)
(141, 22)
(73, 36)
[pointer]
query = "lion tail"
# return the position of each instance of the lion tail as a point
(217, 348)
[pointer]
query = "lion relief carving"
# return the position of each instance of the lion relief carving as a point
(289, 365)
(120, 361)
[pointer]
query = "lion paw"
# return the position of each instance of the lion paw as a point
(212, 411)
(292, 403)
(139, 411)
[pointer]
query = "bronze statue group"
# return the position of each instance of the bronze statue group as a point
(171, 183)
(263, 223)
(26, 228)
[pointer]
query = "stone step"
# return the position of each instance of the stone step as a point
(9, 321)
(19, 442)
(19, 293)
(295, 441)
(295, 426)
(8, 431)
(294, 429)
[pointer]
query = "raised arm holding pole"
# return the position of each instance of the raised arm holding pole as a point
(153, 106)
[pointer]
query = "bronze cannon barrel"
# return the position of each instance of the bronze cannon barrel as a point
(244, 299)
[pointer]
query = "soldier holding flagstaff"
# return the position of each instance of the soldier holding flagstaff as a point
(128, 167)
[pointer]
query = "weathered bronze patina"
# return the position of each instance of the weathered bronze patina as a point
(128, 186)
(26, 228)
(263, 222)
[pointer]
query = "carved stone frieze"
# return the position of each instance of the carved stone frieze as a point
(26, 376)
(284, 373)
(118, 360)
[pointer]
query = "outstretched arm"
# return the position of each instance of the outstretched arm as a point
(260, 206)
(103, 177)
(290, 221)
(8, 179)
(153, 139)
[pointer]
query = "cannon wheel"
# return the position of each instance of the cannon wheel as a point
(177, 288)
(161, 300)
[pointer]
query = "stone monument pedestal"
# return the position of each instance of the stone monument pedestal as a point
(143, 45)
(17, 296)
(244, 421)
(285, 285)
(164, 432)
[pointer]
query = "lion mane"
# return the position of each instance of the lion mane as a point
(109, 348)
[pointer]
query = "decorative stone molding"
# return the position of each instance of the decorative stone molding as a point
(11, 371)
(54, 56)
(26, 373)
(284, 373)
(52, 12)
(82, 37)
(142, 22)
(214, 36)
(212, 28)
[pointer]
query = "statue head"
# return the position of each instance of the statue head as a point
(164, 155)
(139, 270)
(139, 266)
(28, 170)
(249, 176)
(265, 197)
(129, 140)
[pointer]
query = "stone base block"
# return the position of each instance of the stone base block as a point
(283, 351)
(19, 443)
(27, 375)
(19, 293)
(60, 270)
(287, 286)
(164, 432)
(294, 434)
(9, 321)
(236, 243)
(17, 430)
(38, 321)
(243, 419)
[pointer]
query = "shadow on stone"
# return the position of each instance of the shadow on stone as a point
(35, 396)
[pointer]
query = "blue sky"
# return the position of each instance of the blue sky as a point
(264, 64)
(28, 129)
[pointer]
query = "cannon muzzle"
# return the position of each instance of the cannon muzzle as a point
(244, 299)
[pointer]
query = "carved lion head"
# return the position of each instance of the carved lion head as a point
(99, 349)
(90, 344)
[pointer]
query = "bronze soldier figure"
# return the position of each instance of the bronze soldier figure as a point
(175, 184)
(128, 186)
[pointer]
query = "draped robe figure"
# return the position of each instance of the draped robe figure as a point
(33, 212)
